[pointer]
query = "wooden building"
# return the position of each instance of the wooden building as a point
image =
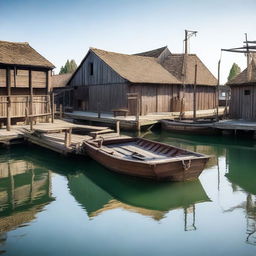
(159, 78)
(243, 94)
(25, 82)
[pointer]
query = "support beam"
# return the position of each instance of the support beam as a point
(31, 98)
(118, 127)
(52, 107)
(47, 105)
(194, 94)
(8, 85)
(217, 93)
(14, 76)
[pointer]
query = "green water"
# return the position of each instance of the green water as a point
(50, 205)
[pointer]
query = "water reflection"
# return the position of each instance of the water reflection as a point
(99, 190)
(240, 157)
(243, 177)
(25, 189)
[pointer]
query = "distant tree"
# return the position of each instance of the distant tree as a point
(234, 71)
(69, 67)
(73, 65)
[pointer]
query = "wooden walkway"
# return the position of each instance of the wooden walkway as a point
(130, 122)
(57, 136)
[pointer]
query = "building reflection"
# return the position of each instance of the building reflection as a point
(242, 173)
(99, 190)
(25, 189)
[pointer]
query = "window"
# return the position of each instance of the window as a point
(223, 94)
(91, 68)
(247, 92)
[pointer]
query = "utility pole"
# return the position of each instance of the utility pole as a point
(248, 58)
(217, 92)
(188, 35)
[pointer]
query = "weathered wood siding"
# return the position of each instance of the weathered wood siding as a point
(243, 106)
(165, 98)
(39, 79)
(100, 97)
(2, 77)
(105, 90)
(206, 97)
(102, 73)
(21, 103)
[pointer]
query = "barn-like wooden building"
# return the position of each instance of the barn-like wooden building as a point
(25, 82)
(103, 79)
(243, 94)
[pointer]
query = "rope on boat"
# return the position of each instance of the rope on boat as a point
(186, 166)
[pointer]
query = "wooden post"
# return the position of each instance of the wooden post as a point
(69, 136)
(98, 106)
(47, 106)
(61, 111)
(217, 93)
(186, 41)
(31, 98)
(47, 82)
(52, 107)
(194, 95)
(27, 111)
(138, 113)
(8, 83)
(118, 127)
(248, 59)
(227, 103)
(14, 76)
(66, 138)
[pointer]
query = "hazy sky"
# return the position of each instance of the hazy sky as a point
(62, 29)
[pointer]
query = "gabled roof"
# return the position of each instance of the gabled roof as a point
(136, 69)
(152, 53)
(242, 78)
(60, 80)
(177, 63)
(22, 54)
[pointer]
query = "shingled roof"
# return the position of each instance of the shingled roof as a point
(152, 53)
(175, 64)
(22, 54)
(242, 78)
(136, 69)
(60, 80)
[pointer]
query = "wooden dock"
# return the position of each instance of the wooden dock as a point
(61, 136)
(134, 123)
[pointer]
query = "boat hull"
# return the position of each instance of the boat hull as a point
(187, 128)
(163, 171)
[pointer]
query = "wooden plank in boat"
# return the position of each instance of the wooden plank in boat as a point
(140, 151)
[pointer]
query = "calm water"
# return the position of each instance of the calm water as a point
(50, 205)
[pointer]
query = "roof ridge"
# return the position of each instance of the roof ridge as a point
(9, 42)
(123, 54)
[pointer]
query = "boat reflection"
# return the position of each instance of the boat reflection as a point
(99, 190)
(25, 189)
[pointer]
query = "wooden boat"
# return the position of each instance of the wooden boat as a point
(147, 159)
(188, 126)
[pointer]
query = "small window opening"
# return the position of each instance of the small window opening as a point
(91, 68)
(247, 92)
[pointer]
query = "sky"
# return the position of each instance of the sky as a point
(65, 29)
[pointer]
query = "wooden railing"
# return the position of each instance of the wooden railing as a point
(26, 107)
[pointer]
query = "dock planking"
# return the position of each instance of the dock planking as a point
(57, 136)
(131, 123)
